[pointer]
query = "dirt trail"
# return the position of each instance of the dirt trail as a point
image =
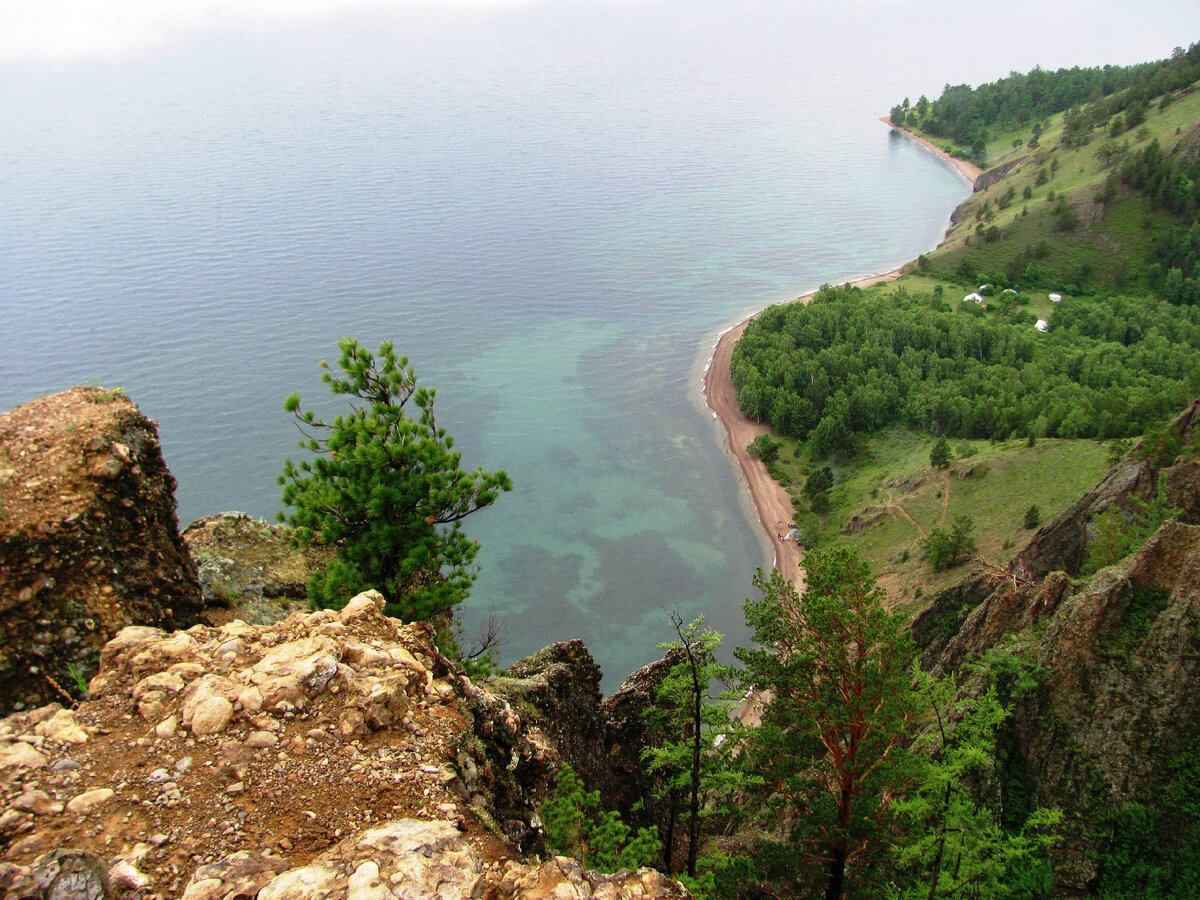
(898, 510)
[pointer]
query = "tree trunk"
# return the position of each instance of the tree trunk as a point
(837, 875)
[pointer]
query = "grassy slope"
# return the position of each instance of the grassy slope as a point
(899, 498)
(1106, 249)
(892, 488)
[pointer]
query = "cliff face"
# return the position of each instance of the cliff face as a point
(1118, 656)
(89, 541)
(333, 754)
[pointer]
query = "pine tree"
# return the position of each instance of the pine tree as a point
(683, 727)
(834, 668)
(386, 490)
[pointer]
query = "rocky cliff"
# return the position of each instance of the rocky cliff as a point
(89, 542)
(1115, 657)
(334, 754)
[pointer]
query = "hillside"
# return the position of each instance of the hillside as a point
(1067, 203)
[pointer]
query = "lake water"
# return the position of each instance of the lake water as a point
(551, 208)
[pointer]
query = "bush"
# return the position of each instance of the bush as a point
(763, 448)
(577, 827)
(1033, 518)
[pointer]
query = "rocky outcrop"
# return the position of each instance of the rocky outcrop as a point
(249, 569)
(89, 541)
(1117, 656)
(282, 755)
(996, 174)
(999, 601)
(559, 689)
(626, 735)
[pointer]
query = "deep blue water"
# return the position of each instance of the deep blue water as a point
(552, 209)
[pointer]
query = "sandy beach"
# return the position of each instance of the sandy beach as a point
(967, 170)
(771, 501)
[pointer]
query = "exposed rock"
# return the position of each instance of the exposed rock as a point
(565, 878)
(87, 801)
(562, 683)
(332, 725)
(625, 735)
(248, 568)
(72, 875)
(36, 802)
(241, 875)
(998, 173)
(89, 542)
(1120, 653)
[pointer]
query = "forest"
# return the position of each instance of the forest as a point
(965, 115)
(853, 361)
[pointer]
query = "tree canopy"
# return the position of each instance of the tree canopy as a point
(836, 667)
(386, 490)
(852, 362)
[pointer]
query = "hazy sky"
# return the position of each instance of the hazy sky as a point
(66, 31)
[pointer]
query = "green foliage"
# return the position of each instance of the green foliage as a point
(1155, 846)
(817, 487)
(1011, 675)
(947, 548)
(939, 456)
(1090, 97)
(682, 727)
(763, 448)
(79, 678)
(954, 844)
(830, 747)
(576, 826)
(1033, 518)
(858, 361)
(386, 490)
(1115, 535)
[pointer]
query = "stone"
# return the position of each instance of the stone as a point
(68, 874)
(241, 875)
(211, 716)
(167, 727)
(62, 727)
(87, 801)
(37, 802)
(21, 755)
(261, 740)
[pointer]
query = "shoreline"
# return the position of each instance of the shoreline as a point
(771, 502)
(967, 170)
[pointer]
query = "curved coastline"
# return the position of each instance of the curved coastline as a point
(771, 502)
(967, 170)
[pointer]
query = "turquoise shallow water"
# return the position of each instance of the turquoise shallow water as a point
(551, 208)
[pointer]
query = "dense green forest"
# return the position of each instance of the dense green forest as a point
(854, 361)
(965, 115)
